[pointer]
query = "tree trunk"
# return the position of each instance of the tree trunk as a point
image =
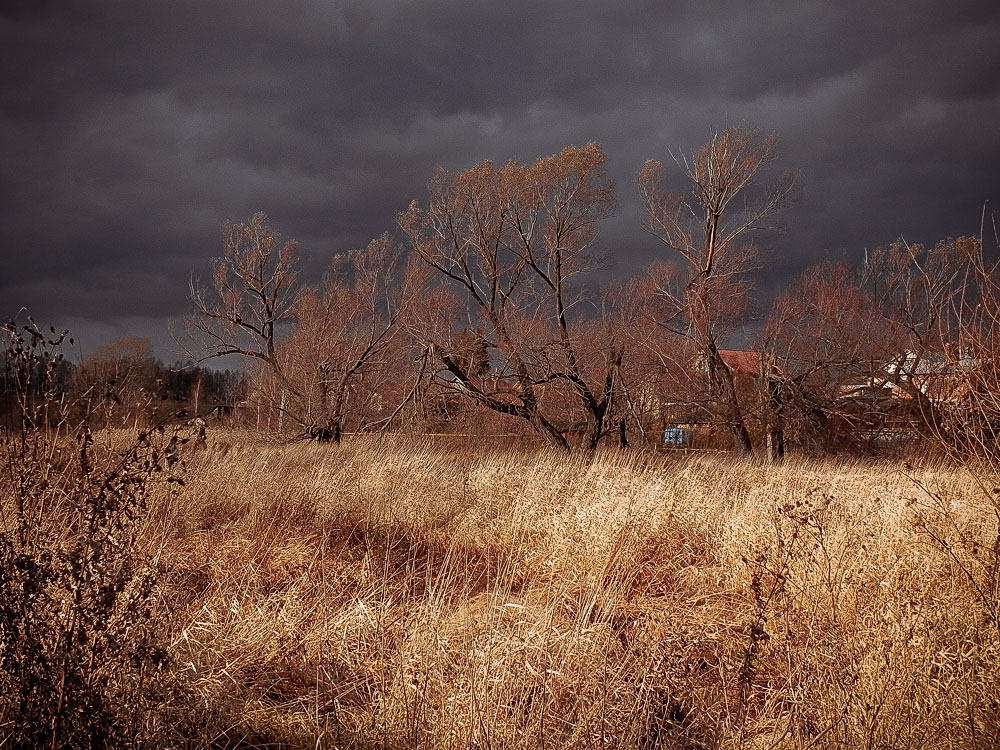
(741, 439)
(724, 391)
(595, 426)
(720, 379)
(775, 438)
(552, 436)
(775, 445)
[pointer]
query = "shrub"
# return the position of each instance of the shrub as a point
(78, 651)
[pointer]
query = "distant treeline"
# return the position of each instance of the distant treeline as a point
(118, 383)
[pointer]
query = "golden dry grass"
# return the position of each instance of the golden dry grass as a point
(389, 594)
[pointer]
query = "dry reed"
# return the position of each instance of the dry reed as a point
(386, 593)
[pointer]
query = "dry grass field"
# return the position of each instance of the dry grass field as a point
(385, 593)
(388, 594)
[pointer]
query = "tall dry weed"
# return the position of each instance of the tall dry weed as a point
(80, 657)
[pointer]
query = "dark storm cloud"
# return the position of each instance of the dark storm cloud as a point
(130, 131)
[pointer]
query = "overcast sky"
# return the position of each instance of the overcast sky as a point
(131, 130)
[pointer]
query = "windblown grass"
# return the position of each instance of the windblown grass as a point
(396, 594)
(383, 593)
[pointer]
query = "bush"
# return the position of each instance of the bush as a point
(79, 658)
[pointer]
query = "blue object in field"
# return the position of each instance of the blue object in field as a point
(676, 437)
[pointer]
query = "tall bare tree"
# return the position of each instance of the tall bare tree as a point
(348, 356)
(254, 289)
(920, 294)
(310, 346)
(822, 330)
(515, 243)
(709, 230)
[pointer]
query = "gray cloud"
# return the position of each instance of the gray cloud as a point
(129, 132)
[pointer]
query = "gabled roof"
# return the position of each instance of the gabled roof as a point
(742, 361)
(747, 362)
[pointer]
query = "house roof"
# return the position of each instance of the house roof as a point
(747, 362)
(741, 360)
(913, 363)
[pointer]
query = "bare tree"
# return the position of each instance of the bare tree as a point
(978, 388)
(347, 354)
(887, 345)
(254, 289)
(312, 346)
(921, 294)
(822, 331)
(515, 242)
(709, 230)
